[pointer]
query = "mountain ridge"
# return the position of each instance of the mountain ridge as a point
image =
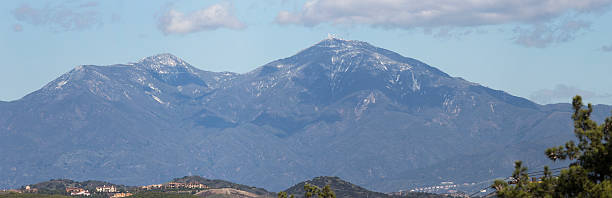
(366, 114)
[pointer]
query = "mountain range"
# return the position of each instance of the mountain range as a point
(340, 107)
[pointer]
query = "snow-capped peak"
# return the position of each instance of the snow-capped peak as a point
(164, 63)
(165, 59)
(333, 41)
(331, 36)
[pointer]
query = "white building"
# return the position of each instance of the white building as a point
(105, 188)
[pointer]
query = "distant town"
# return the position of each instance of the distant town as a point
(114, 191)
(196, 186)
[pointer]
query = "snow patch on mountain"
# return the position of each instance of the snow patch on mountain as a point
(157, 99)
(165, 63)
(415, 83)
(154, 88)
(60, 84)
(165, 59)
(363, 105)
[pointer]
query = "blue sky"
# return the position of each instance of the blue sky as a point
(543, 50)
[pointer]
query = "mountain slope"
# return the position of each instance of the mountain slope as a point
(346, 108)
(340, 187)
(346, 189)
(221, 184)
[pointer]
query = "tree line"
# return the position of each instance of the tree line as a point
(312, 191)
(590, 173)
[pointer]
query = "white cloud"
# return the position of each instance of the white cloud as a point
(60, 16)
(407, 14)
(542, 35)
(564, 93)
(210, 18)
(418, 13)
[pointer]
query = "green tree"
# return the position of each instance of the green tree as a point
(327, 192)
(313, 190)
(520, 179)
(282, 194)
(589, 176)
(546, 186)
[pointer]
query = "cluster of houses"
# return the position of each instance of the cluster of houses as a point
(74, 191)
(112, 190)
(106, 189)
(435, 188)
(118, 195)
(26, 189)
(444, 187)
(29, 189)
(175, 185)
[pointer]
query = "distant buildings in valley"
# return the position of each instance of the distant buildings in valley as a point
(152, 187)
(113, 192)
(118, 195)
(106, 189)
(26, 189)
(448, 186)
(29, 189)
(77, 191)
(444, 187)
(175, 185)
(81, 193)
(110, 190)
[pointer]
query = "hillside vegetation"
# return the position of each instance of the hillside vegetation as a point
(344, 189)
(589, 174)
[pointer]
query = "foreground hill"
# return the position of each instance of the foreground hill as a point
(211, 189)
(202, 188)
(346, 108)
(19, 195)
(225, 186)
(344, 189)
